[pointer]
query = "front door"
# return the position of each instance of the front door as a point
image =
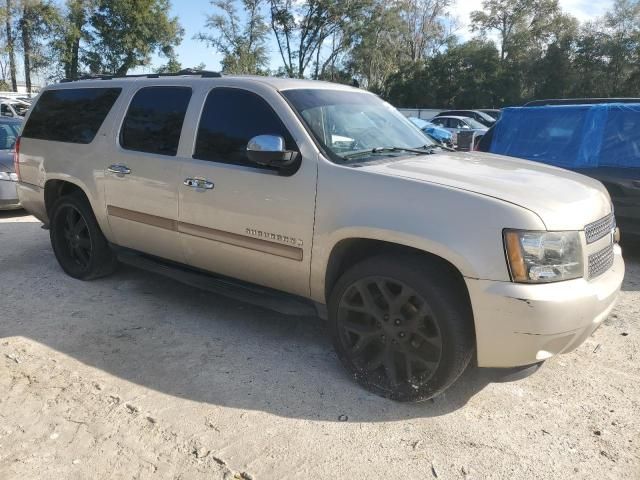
(236, 218)
(143, 174)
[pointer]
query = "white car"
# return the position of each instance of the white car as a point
(419, 258)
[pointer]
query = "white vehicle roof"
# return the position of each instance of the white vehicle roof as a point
(274, 82)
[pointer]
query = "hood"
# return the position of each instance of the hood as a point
(564, 200)
(6, 160)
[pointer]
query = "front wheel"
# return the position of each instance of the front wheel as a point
(402, 326)
(78, 243)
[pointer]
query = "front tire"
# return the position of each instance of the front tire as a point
(78, 243)
(402, 326)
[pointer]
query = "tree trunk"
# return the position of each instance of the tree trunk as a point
(26, 47)
(11, 48)
(74, 59)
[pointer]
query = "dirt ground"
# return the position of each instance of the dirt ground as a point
(137, 376)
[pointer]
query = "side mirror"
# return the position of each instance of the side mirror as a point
(269, 150)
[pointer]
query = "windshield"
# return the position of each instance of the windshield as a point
(346, 122)
(8, 134)
(474, 123)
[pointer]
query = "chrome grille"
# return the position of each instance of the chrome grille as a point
(598, 229)
(600, 262)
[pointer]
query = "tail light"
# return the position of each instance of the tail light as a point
(16, 158)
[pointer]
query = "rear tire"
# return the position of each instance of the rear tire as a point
(78, 243)
(402, 326)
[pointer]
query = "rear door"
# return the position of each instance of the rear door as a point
(143, 172)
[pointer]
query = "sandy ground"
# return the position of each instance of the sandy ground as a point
(137, 376)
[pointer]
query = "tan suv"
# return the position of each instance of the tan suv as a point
(419, 257)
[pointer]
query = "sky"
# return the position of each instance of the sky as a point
(192, 14)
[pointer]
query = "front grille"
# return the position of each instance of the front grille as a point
(598, 229)
(600, 262)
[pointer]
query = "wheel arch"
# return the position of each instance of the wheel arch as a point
(56, 188)
(350, 251)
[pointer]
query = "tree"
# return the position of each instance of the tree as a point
(36, 24)
(301, 29)
(124, 34)
(424, 31)
(241, 42)
(71, 31)
(10, 39)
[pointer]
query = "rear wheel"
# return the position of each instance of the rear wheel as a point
(401, 326)
(78, 243)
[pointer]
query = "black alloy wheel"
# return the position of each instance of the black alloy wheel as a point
(389, 332)
(78, 243)
(77, 246)
(402, 326)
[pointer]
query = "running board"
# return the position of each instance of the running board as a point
(268, 298)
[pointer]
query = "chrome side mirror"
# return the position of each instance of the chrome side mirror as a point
(270, 150)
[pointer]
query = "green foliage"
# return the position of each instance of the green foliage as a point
(242, 43)
(124, 33)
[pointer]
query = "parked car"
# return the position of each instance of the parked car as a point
(601, 140)
(482, 118)
(460, 124)
(492, 112)
(442, 135)
(9, 132)
(13, 108)
(419, 258)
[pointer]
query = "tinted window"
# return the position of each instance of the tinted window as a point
(70, 115)
(154, 120)
(230, 118)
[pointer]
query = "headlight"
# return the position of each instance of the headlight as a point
(542, 257)
(8, 176)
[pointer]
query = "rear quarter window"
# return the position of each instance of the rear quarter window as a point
(70, 115)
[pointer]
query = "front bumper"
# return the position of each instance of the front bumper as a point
(8, 195)
(521, 324)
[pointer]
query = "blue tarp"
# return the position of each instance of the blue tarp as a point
(571, 136)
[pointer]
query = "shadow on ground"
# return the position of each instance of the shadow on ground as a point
(184, 342)
(631, 254)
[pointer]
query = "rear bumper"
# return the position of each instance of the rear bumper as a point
(520, 324)
(8, 195)
(32, 200)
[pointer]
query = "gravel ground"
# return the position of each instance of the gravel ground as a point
(137, 376)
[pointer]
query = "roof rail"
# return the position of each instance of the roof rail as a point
(181, 73)
(579, 101)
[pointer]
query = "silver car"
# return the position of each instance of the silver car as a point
(460, 124)
(9, 131)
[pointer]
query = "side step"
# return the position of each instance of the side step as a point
(268, 298)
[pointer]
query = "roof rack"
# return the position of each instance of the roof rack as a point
(181, 73)
(579, 101)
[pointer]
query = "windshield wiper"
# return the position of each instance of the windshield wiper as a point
(369, 151)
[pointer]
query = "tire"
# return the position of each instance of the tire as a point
(405, 314)
(78, 243)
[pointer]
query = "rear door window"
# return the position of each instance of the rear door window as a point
(154, 120)
(70, 115)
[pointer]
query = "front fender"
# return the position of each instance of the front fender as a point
(462, 227)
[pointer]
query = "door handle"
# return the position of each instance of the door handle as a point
(119, 169)
(197, 182)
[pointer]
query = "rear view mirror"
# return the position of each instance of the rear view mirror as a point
(269, 150)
